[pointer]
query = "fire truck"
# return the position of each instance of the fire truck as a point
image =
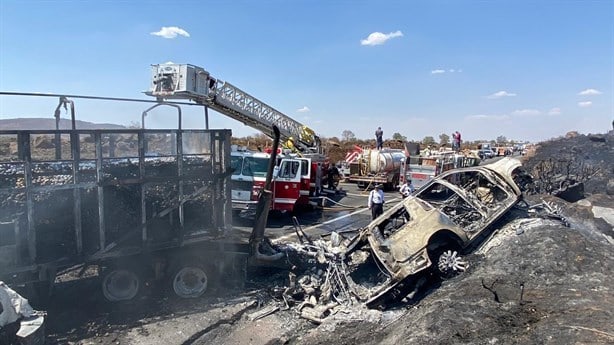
(298, 178)
(300, 174)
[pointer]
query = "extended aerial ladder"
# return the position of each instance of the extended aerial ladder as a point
(184, 81)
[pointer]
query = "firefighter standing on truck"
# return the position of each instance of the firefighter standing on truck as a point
(290, 145)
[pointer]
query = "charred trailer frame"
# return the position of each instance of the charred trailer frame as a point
(136, 203)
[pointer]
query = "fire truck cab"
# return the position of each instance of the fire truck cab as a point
(295, 181)
(248, 177)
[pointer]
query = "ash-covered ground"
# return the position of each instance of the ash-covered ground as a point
(534, 281)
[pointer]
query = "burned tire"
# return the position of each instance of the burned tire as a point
(447, 262)
(121, 283)
(190, 279)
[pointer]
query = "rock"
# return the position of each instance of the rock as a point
(609, 189)
(584, 202)
(605, 213)
(597, 138)
(571, 134)
(571, 193)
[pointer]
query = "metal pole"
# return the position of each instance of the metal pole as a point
(58, 138)
(206, 117)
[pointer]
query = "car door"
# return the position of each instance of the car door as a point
(287, 184)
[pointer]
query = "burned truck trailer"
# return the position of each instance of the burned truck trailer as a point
(136, 204)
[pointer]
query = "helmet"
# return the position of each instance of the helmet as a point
(291, 139)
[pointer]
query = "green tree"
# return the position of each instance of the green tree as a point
(347, 135)
(398, 136)
(444, 139)
(428, 140)
(501, 139)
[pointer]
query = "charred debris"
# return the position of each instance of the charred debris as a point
(403, 254)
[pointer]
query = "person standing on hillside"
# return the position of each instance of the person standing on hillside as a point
(379, 138)
(376, 201)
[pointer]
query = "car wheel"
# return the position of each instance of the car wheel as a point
(447, 262)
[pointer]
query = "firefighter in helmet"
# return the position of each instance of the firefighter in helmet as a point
(290, 144)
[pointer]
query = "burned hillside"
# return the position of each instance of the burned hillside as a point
(534, 281)
(586, 159)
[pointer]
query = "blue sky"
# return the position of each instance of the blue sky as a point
(526, 70)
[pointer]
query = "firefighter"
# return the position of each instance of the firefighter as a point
(333, 177)
(379, 138)
(290, 145)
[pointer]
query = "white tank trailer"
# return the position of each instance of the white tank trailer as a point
(377, 167)
(380, 161)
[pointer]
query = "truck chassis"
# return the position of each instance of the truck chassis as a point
(137, 204)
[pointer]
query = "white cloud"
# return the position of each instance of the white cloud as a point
(171, 32)
(585, 104)
(555, 111)
(589, 92)
(501, 94)
(378, 38)
(304, 109)
(441, 71)
(487, 117)
(526, 112)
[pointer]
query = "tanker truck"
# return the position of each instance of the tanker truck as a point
(377, 167)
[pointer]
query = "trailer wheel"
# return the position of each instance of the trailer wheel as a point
(120, 284)
(190, 280)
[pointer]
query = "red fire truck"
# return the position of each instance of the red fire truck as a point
(297, 179)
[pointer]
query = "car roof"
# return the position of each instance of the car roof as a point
(503, 167)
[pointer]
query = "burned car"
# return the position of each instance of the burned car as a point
(430, 229)
(420, 237)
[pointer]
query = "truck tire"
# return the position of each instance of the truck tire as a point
(38, 293)
(121, 283)
(189, 278)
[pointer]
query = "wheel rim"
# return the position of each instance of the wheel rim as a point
(451, 263)
(190, 282)
(120, 285)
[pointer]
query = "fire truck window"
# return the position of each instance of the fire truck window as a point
(235, 164)
(289, 169)
(295, 168)
(261, 166)
(305, 167)
(254, 166)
